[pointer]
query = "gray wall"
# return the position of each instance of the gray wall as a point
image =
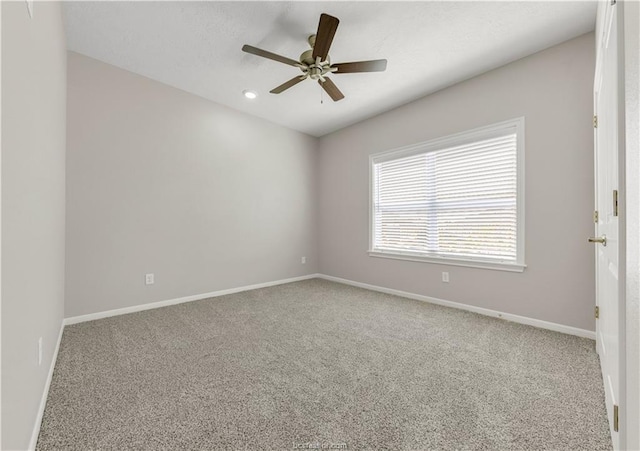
(161, 181)
(552, 89)
(33, 197)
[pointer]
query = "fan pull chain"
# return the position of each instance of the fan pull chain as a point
(321, 95)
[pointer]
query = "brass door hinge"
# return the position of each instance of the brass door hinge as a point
(615, 418)
(595, 216)
(595, 121)
(597, 312)
(615, 202)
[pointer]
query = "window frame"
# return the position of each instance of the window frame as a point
(476, 134)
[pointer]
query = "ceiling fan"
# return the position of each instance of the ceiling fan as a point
(315, 63)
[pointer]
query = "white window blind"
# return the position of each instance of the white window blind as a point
(455, 202)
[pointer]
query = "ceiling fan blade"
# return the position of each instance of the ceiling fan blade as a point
(284, 86)
(324, 36)
(331, 89)
(360, 66)
(272, 56)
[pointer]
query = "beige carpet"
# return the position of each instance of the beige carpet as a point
(316, 363)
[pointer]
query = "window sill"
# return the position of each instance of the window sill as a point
(511, 267)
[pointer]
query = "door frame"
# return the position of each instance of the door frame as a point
(629, 68)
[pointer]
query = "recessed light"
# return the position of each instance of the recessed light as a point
(249, 94)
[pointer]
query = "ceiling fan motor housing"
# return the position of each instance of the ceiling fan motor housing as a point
(312, 68)
(307, 57)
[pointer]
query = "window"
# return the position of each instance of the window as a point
(456, 200)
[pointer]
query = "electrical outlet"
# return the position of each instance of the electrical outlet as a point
(149, 279)
(445, 277)
(303, 260)
(39, 351)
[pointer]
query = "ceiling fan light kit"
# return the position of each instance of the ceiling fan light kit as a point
(315, 63)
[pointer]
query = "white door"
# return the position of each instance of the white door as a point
(606, 173)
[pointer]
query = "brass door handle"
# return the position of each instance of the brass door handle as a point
(602, 240)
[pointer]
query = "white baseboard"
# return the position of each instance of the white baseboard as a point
(482, 311)
(45, 393)
(196, 297)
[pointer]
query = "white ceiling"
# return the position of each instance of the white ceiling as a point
(428, 45)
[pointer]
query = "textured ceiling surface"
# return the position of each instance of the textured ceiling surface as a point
(196, 46)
